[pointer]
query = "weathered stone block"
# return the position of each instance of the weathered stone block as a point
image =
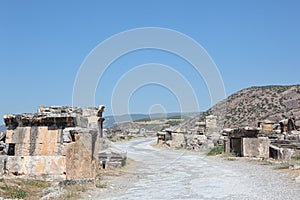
(44, 135)
(47, 142)
(112, 158)
(38, 167)
(226, 144)
(92, 121)
(18, 135)
(80, 162)
(81, 121)
(256, 147)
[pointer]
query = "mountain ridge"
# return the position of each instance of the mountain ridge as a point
(112, 120)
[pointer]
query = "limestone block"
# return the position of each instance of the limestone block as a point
(47, 149)
(38, 167)
(178, 140)
(18, 135)
(81, 121)
(45, 136)
(92, 121)
(46, 142)
(9, 135)
(286, 153)
(22, 149)
(80, 163)
(255, 147)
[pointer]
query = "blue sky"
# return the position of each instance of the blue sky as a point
(43, 44)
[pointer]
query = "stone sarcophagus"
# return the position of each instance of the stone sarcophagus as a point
(56, 143)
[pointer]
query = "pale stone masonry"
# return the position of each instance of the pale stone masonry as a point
(56, 143)
(255, 147)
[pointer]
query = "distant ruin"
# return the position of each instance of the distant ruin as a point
(203, 136)
(56, 143)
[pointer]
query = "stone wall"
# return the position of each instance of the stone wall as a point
(36, 140)
(37, 167)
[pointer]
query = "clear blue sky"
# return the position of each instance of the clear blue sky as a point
(43, 43)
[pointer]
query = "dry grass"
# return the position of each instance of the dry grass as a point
(288, 163)
(74, 191)
(22, 188)
(79, 190)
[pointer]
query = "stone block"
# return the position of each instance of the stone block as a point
(37, 167)
(80, 162)
(45, 136)
(255, 147)
(18, 135)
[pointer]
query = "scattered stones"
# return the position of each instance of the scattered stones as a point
(294, 167)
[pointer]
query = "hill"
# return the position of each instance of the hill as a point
(114, 120)
(254, 104)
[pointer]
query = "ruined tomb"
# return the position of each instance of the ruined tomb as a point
(56, 143)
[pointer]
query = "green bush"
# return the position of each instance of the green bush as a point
(173, 123)
(101, 185)
(215, 151)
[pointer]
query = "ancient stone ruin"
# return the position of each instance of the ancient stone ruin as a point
(269, 140)
(56, 143)
(246, 142)
(203, 136)
(112, 158)
(279, 140)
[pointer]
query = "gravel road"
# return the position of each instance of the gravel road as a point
(167, 174)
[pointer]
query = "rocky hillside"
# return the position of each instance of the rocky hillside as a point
(254, 104)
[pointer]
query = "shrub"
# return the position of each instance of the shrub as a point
(215, 151)
(100, 185)
(173, 123)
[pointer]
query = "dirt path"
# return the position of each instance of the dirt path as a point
(164, 174)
